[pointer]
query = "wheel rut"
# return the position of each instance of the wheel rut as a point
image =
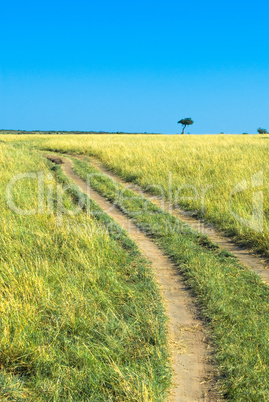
(243, 254)
(194, 374)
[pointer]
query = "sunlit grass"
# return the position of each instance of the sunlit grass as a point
(233, 300)
(80, 316)
(202, 172)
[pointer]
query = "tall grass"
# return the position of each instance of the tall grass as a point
(203, 173)
(81, 318)
(234, 301)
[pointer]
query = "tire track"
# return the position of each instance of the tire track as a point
(193, 372)
(243, 254)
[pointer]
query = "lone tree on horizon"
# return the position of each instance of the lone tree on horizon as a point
(262, 130)
(185, 122)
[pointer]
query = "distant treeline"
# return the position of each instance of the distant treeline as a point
(2, 131)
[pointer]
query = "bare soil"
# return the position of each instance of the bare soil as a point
(53, 159)
(243, 254)
(194, 374)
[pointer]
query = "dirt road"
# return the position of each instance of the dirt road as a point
(244, 255)
(193, 373)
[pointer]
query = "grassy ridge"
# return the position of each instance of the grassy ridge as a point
(203, 170)
(233, 299)
(81, 318)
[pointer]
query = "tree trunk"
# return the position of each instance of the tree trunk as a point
(183, 129)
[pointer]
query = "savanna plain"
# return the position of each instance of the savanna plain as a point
(82, 317)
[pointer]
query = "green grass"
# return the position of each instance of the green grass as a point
(81, 317)
(233, 300)
(198, 173)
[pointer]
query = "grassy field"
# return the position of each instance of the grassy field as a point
(219, 177)
(81, 318)
(203, 174)
(226, 291)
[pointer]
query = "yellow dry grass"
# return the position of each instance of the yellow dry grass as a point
(221, 177)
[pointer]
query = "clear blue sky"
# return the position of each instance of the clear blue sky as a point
(134, 65)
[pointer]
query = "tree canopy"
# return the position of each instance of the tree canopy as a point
(185, 122)
(262, 130)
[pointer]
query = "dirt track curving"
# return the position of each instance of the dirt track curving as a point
(193, 372)
(243, 254)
